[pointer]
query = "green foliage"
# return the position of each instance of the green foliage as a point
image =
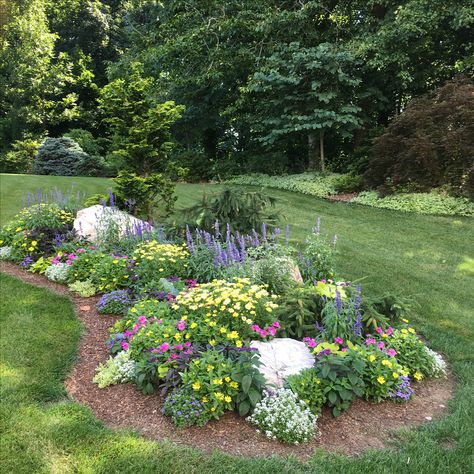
(318, 258)
(251, 382)
(308, 387)
(349, 183)
(139, 124)
(21, 157)
(341, 378)
(433, 203)
(185, 409)
(299, 311)
(277, 272)
(303, 90)
(83, 288)
(59, 156)
(211, 380)
(243, 211)
(313, 184)
(140, 194)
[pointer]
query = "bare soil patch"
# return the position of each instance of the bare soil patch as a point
(365, 425)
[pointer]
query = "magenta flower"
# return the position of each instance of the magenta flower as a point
(344, 349)
(81, 250)
(381, 345)
(271, 331)
(142, 320)
(276, 324)
(181, 325)
(178, 347)
(370, 340)
(68, 262)
(338, 340)
(391, 352)
(389, 331)
(187, 344)
(263, 333)
(311, 342)
(164, 347)
(379, 330)
(125, 346)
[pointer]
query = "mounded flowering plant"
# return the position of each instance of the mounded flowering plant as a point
(154, 260)
(185, 409)
(115, 302)
(211, 380)
(227, 311)
(283, 416)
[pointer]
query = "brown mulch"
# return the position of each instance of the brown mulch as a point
(342, 197)
(365, 425)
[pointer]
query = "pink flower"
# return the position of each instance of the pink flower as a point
(272, 331)
(187, 344)
(381, 345)
(391, 352)
(68, 262)
(311, 342)
(142, 320)
(125, 346)
(338, 340)
(344, 349)
(379, 330)
(164, 347)
(255, 327)
(188, 351)
(135, 328)
(174, 356)
(81, 250)
(370, 340)
(127, 334)
(263, 333)
(178, 347)
(389, 331)
(181, 325)
(276, 324)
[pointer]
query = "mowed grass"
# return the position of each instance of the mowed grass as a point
(423, 256)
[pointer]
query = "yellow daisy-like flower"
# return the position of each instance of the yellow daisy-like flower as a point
(234, 385)
(395, 375)
(228, 399)
(381, 379)
(411, 330)
(196, 385)
(418, 375)
(227, 379)
(371, 358)
(405, 320)
(217, 382)
(387, 363)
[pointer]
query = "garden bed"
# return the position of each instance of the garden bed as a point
(363, 426)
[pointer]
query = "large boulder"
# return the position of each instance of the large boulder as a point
(95, 222)
(282, 357)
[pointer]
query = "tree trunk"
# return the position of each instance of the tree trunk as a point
(312, 152)
(321, 150)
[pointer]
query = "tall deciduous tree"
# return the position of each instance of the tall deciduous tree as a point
(307, 91)
(35, 82)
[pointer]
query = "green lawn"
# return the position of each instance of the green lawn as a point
(422, 256)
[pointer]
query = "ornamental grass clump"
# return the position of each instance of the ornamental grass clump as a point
(283, 416)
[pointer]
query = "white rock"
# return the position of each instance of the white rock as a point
(282, 357)
(93, 222)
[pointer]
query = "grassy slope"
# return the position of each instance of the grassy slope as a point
(416, 255)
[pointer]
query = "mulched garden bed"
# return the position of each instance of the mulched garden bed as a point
(365, 425)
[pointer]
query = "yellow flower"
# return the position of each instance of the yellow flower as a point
(196, 385)
(193, 325)
(234, 385)
(238, 343)
(418, 375)
(228, 399)
(210, 367)
(395, 375)
(381, 379)
(217, 382)
(411, 330)
(133, 310)
(405, 320)
(387, 363)
(371, 357)
(115, 261)
(212, 342)
(227, 379)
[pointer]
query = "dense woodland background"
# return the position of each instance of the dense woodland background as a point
(374, 88)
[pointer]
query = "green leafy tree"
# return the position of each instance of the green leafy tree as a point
(35, 82)
(307, 91)
(139, 124)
